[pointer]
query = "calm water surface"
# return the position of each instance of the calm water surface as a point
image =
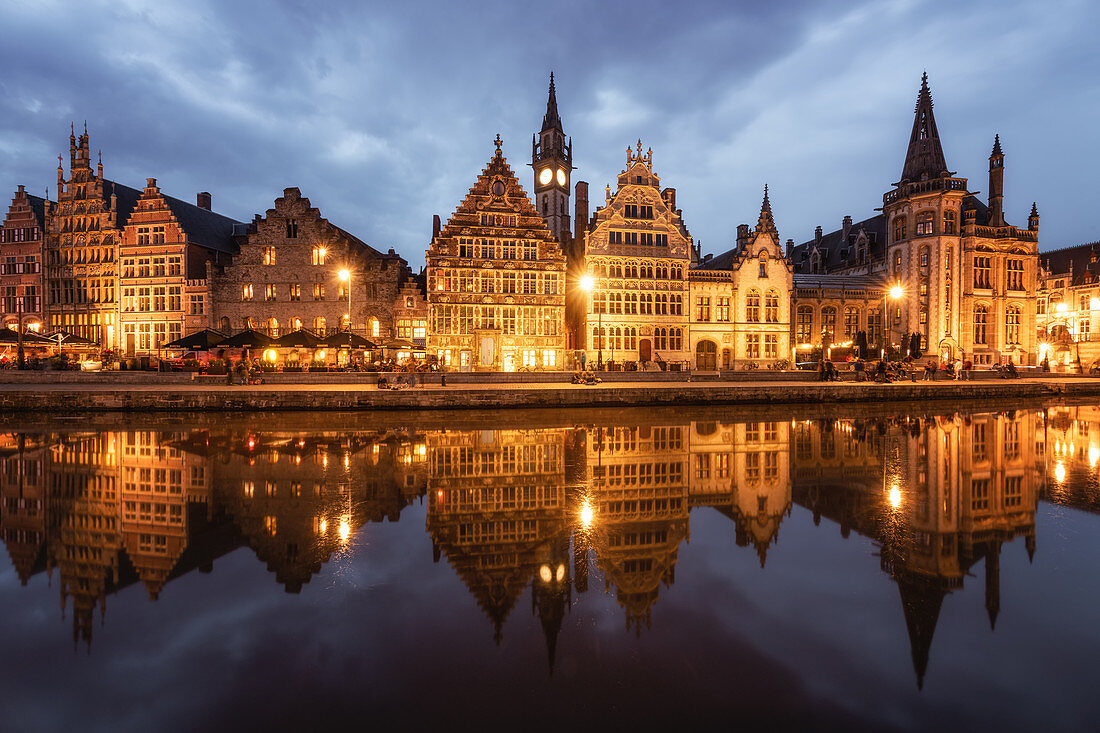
(870, 570)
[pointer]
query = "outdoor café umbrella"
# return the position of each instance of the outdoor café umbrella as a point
(347, 340)
(249, 339)
(10, 336)
(300, 339)
(203, 340)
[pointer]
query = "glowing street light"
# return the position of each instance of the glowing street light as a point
(588, 283)
(896, 292)
(345, 276)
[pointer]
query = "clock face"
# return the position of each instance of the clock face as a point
(545, 176)
(561, 177)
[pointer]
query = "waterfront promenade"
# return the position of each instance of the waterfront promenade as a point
(214, 395)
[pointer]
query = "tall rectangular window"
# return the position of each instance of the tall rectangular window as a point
(982, 272)
(702, 308)
(269, 255)
(1015, 271)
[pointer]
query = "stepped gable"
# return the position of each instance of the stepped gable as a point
(497, 190)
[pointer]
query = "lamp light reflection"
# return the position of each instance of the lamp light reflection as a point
(586, 514)
(345, 529)
(894, 497)
(1059, 472)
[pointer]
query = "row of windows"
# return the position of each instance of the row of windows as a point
(661, 304)
(496, 281)
(509, 320)
(143, 300)
(68, 292)
(924, 225)
(752, 307)
(79, 255)
(497, 249)
(638, 239)
(612, 337)
(320, 325)
(20, 265)
(153, 266)
(637, 270)
(150, 235)
(20, 234)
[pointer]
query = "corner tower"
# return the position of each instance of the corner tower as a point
(552, 160)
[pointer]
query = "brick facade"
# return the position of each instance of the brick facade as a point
(21, 248)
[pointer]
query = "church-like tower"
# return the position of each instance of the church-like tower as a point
(552, 160)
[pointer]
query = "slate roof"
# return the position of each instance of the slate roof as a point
(204, 228)
(38, 206)
(1082, 259)
(723, 261)
(832, 244)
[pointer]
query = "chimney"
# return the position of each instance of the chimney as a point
(202, 200)
(846, 229)
(790, 248)
(437, 226)
(742, 235)
(669, 195)
(20, 188)
(817, 235)
(708, 257)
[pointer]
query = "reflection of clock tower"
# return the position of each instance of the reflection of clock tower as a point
(552, 158)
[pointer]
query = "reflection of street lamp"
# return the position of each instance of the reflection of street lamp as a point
(345, 276)
(896, 293)
(587, 284)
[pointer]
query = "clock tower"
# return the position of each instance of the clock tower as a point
(552, 159)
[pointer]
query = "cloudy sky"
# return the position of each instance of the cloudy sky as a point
(384, 113)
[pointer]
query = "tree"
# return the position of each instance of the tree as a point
(914, 346)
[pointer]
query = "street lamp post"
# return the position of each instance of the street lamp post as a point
(345, 276)
(587, 284)
(895, 292)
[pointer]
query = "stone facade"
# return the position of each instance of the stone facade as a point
(163, 255)
(83, 231)
(411, 311)
(740, 301)
(21, 255)
(288, 275)
(496, 281)
(637, 251)
(965, 274)
(1067, 307)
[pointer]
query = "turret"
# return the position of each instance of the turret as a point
(1033, 218)
(552, 161)
(924, 157)
(996, 184)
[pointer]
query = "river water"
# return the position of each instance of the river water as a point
(878, 567)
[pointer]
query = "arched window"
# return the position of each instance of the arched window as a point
(1012, 324)
(375, 328)
(771, 307)
(804, 324)
(225, 327)
(851, 322)
(828, 325)
(675, 339)
(752, 306)
(631, 338)
(925, 221)
(981, 316)
(763, 265)
(249, 322)
(295, 324)
(319, 325)
(273, 327)
(900, 231)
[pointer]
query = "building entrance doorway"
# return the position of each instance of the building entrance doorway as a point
(706, 356)
(645, 350)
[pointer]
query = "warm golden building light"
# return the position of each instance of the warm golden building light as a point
(587, 282)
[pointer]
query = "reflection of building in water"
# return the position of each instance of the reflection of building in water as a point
(157, 485)
(497, 510)
(944, 495)
(297, 499)
(743, 470)
(24, 465)
(640, 489)
(82, 531)
(1072, 436)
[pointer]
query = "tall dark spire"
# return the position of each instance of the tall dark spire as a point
(924, 158)
(920, 602)
(552, 121)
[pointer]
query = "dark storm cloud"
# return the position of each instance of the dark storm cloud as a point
(383, 113)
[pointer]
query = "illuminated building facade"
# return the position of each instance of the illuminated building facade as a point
(1068, 307)
(496, 281)
(967, 276)
(293, 271)
(163, 255)
(740, 304)
(637, 252)
(21, 253)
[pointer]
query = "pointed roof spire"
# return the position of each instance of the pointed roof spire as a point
(766, 222)
(924, 158)
(551, 121)
(1034, 210)
(996, 146)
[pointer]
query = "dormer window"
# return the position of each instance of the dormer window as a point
(763, 265)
